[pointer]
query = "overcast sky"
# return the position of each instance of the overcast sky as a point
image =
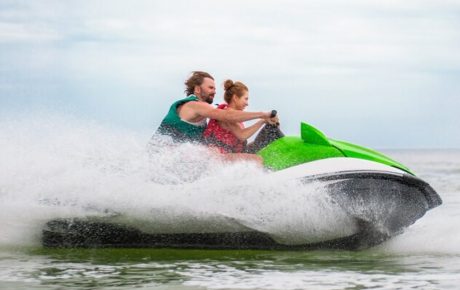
(384, 74)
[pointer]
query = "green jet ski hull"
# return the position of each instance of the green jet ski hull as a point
(314, 145)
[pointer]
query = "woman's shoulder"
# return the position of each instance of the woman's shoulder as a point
(222, 106)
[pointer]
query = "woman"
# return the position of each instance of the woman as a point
(231, 138)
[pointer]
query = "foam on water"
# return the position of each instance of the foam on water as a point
(53, 166)
(436, 232)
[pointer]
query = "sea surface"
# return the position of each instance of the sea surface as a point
(53, 166)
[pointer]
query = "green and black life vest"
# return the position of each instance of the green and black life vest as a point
(181, 131)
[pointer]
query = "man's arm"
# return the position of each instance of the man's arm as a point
(206, 110)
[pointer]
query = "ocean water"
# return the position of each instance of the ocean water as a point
(55, 166)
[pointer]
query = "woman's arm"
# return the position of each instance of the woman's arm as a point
(244, 133)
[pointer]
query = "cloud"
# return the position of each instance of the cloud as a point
(313, 60)
(19, 33)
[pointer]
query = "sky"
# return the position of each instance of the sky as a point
(383, 74)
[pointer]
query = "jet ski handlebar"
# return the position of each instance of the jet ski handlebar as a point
(273, 114)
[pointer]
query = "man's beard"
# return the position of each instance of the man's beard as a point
(208, 98)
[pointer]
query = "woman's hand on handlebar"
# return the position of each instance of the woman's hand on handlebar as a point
(273, 121)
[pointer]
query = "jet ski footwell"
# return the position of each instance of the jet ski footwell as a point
(81, 233)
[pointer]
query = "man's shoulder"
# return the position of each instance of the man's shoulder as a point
(190, 98)
(196, 104)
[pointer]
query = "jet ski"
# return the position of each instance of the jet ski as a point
(380, 196)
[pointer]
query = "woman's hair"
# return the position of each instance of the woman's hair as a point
(196, 79)
(234, 88)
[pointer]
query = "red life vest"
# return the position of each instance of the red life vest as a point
(216, 136)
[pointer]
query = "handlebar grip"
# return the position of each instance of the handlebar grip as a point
(273, 114)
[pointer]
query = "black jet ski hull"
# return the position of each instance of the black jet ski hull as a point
(383, 204)
(388, 202)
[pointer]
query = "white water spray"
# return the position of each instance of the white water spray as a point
(57, 167)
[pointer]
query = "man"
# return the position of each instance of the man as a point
(186, 119)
